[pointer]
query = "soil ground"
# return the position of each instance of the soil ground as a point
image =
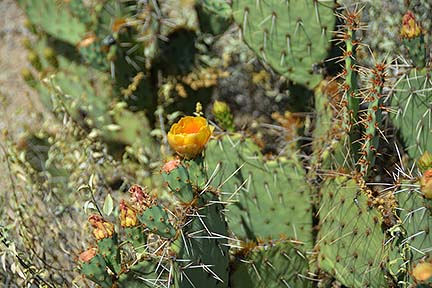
(18, 101)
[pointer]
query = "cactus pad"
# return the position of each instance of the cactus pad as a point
(278, 264)
(265, 199)
(411, 100)
(291, 36)
(350, 241)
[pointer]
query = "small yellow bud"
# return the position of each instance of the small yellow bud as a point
(425, 161)
(220, 107)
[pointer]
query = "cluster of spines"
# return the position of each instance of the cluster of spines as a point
(347, 35)
(372, 118)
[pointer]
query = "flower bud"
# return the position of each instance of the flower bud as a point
(410, 26)
(220, 107)
(170, 165)
(425, 161)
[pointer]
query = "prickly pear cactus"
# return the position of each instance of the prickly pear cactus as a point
(56, 18)
(214, 16)
(277, 263)
(410, 100)
(264, 199)
(416, 217)
(350, 242)
(290, 36)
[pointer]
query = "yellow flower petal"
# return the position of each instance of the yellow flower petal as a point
(189, 136)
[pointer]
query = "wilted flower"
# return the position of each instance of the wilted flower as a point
(128, 216)
(422, 272)
(87, 255)
(103, 229)
(140, 199)
(189, 136)
(426, 184)
(410, 27)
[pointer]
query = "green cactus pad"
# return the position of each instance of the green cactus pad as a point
(56, 19)
(416, 216)
(291, 36)
(329, 136)
(417, 50)
(95, 270)
(179, 183)
(373, 120)
(135, 235)
(214, 16)
(156, 218)
(141, 275)
(410, 101)
(272, 265)
(350, 241)
(108, 248)
(265, 198)
(202, 249)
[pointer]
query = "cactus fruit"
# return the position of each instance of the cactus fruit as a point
(290, 36)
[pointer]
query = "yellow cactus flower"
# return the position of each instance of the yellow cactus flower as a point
(189, 136)
(128, 216)
(102, 228)
(410, 26)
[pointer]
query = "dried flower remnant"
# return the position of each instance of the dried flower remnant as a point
(102, 228)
